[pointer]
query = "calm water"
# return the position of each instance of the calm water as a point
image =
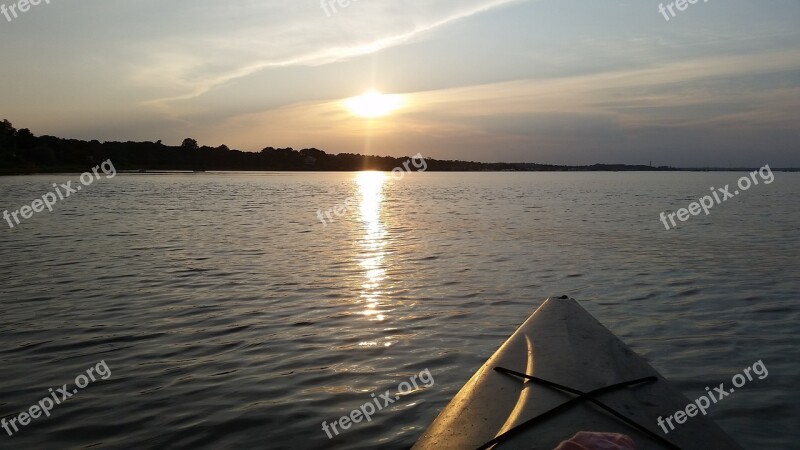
(231, 317)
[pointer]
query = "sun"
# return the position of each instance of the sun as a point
(373, 104)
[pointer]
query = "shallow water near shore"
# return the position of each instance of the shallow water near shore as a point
(230, 316)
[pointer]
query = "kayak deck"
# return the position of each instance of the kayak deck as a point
(561, 342)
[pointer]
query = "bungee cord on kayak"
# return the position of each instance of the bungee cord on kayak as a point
(581, 397)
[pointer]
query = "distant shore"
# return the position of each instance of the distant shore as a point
(75, 170)
(22, 153)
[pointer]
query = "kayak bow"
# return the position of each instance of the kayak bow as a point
(560, 373)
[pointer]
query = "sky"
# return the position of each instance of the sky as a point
(547, 81)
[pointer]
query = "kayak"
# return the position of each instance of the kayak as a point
(560, 373)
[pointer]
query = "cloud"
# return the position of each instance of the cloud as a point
(529, 80)
(700, 97)
(304, 37)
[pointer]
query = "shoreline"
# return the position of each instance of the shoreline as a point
(75, 171)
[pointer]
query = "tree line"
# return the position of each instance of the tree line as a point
(23, 152)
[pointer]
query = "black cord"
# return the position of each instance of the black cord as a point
(581, 397)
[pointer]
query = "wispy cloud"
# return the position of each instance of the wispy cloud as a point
(528, 79)
(701, 94)
(187, 72)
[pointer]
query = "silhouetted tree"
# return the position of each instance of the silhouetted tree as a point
(190, 144)
(25, 139)
(313, 152)
(7, 136)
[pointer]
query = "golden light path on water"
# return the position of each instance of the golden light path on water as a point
(370, 187)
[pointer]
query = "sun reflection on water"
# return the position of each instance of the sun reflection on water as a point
(370, 186)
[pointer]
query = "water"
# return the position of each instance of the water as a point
(231, 317)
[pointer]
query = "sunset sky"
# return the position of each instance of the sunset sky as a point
(550, 81)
